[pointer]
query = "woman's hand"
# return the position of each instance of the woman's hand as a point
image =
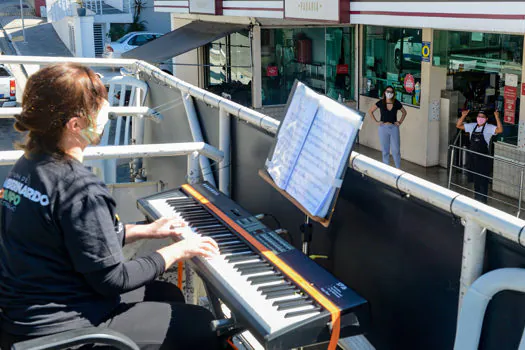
(165, 228)
(465, 113)
(188, 248)
(397, 123)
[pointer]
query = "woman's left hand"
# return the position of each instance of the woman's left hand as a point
(397, 123)
(165, 228)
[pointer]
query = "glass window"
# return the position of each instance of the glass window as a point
(320, 57)
(392, 56)
(229, 67)
(482, 67)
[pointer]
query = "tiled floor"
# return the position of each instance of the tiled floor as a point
(439, 175)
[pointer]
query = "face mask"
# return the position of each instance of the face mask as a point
(481, 120)
(93, 135)
(389, 95)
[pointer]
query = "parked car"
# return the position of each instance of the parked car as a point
(7, 87)
(131, 41)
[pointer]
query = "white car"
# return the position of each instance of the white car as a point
(7, 87)
(131, 41)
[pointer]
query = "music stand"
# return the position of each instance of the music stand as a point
(310, 154)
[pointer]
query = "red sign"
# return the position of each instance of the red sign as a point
(342, 69)
(510, 93)
(410, 83)
(510, 111)
(523, 88)
(272, 71)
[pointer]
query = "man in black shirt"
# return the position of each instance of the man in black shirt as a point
(61, 261)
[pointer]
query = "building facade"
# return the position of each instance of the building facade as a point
(440, 57)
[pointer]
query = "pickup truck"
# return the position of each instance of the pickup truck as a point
(7, 87)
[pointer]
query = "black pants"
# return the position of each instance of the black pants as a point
(482, 167)
(156, 317)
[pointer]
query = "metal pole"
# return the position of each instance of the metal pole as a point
(521, 190)
(196, 132)
(451, 166)
(224, 146)
(193, 168)
(473, 256)
(23, 26)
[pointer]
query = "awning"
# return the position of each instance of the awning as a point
(181, 40)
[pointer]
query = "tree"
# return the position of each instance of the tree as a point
(138, 25)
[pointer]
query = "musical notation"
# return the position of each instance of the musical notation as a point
(312, 147)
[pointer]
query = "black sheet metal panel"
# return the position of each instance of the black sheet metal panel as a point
(182, 40)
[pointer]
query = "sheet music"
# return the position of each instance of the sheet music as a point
(292, 135)
(312, 179)
(312, 147)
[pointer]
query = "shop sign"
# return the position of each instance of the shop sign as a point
(510, 111)
(523, 88)
(203, 6)
(425, 51)
(510, 93)
(318, 10)
(410, 83)
(342, 69)
(272, 71)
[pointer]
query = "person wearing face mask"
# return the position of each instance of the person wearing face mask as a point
(389, 125)
(61, 239)
(480, 134)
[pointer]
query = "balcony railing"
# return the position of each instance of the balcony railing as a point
(108, 7)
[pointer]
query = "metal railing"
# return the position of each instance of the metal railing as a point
(476, 217)
(460, 172)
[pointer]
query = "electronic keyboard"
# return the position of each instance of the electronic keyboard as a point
(283, 297)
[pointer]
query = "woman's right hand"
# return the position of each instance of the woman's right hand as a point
(188, 248)
(196, 245)
(464, 113)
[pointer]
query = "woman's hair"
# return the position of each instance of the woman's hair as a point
(53, 96)
(384, 94)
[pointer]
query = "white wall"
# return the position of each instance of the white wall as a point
(189, 74)
(158, 22)
(118, 4)
(84, 36)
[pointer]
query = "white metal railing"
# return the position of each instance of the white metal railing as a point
(459, 153)
(476, 217)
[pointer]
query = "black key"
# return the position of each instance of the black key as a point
(212, 230)
(181, 201)
(219, 235)
(197, 216)
(190, 210)
(255, 280)
(235, 249)
(226, 243)
(183, 205)
(210, 226)
(292, 303)
(303, 312)
(241, 257)
(250, 265)
(203, 222)
(254, 270)
(281, 293)
(274, 288)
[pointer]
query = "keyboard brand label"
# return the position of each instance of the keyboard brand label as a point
(336, 290)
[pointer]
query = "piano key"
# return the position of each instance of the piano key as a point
(248, 265)
(255, 280)
(241, 257)
(236, 249)
(301, 300)
(258, 269)
(314, 310)
(274, 288)
(281, 293)
(225, 243)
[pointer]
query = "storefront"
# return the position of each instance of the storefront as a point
(392, 57)
(485, 69)
(228, 63)
(320, 57)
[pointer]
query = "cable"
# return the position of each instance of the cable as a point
(274, 218)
